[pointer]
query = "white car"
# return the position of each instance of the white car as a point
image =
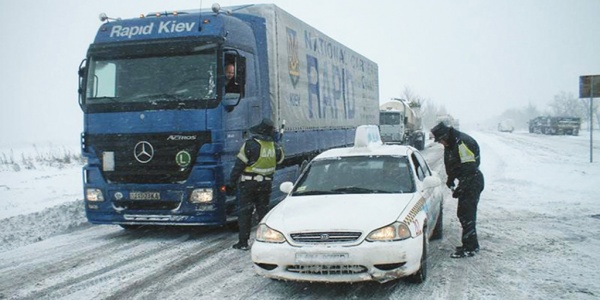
(355, 214)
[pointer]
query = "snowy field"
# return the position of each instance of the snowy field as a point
(539, 228)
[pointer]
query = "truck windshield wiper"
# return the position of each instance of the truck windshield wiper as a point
(161, 96)
(111, 99)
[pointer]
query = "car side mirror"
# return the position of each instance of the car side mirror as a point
(286, 187)
(431, 182)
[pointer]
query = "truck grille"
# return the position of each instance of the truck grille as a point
(325, 237)
(159, 165)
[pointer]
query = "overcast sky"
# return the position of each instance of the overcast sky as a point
(477, 58)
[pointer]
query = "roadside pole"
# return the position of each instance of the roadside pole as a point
(592, 120)
(588, 88)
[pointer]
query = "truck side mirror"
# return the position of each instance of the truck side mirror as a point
(231, 100)
(82, 73)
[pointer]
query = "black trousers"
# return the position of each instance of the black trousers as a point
(467, 215)
(253, 195)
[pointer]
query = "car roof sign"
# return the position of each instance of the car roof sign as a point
(367, 136)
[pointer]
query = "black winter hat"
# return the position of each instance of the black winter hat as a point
(440, 131)
(266, 126)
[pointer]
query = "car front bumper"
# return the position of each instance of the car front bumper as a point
(367, 261)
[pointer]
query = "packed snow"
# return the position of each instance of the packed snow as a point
(538, 225)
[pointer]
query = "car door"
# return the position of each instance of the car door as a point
(432, 197)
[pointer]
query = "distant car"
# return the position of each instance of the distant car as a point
(506, 126)
(355, 214)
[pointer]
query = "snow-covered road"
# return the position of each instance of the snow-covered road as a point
(538, 226)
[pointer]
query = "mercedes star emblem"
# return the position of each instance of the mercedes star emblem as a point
(143, 152)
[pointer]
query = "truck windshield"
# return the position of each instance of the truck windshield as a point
(185, 78)
(389, 118)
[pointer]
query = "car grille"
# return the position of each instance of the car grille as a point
(327, 269)
(325, 237)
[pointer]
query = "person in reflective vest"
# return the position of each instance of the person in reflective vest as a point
(253, 173)
(461, 160)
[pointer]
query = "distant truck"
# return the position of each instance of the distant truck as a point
(448, 120)
(555, 125)
(400, 123)
(161, 131)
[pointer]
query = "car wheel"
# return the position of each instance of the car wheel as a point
(421, 274)
(439, 225)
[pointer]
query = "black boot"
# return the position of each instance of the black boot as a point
(241, 246)
(462, 252)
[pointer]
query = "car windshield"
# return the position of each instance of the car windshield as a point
(356, 175)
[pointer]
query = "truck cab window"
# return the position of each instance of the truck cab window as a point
(234, 69)
(231, 85)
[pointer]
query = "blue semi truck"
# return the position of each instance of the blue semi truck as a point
(162, 125)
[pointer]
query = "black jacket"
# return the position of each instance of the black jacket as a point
(465, 169)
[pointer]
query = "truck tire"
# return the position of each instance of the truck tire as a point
(420, 145)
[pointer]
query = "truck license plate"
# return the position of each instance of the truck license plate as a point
(144, 195)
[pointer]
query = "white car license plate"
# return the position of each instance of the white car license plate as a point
(321, 258)
(144, 196)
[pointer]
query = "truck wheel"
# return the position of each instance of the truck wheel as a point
(233, 226)
(420, 145)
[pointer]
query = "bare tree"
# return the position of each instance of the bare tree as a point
(565, 104)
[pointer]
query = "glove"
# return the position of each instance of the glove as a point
(457, 193)
(450, 183)
(230, 189)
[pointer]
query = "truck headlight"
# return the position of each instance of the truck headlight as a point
(94, 195)
(201, 196)
(265, 234)
(393, 232)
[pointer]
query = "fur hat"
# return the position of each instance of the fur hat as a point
(265, 127)
(440, 132)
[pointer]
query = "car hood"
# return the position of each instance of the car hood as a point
(362, 212)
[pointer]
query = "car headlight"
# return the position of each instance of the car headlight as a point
(94, 195)
(266, 234)
(201, 196)
(393, 232)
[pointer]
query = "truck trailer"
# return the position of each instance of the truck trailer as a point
(555, 125)
(162, 128)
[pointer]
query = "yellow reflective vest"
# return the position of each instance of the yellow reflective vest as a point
(266, 162)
